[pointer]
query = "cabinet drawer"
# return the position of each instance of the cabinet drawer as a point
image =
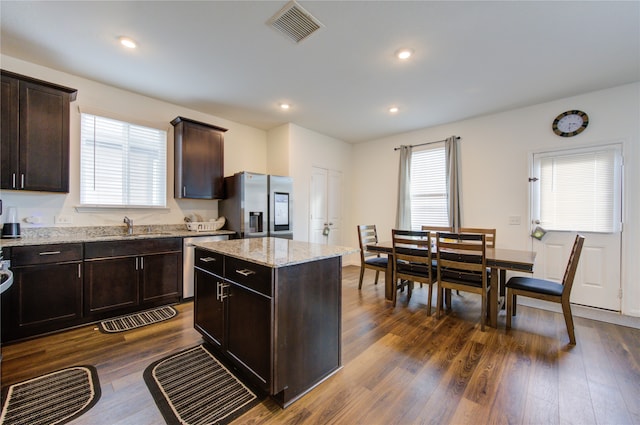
(45, 254)
(249, 274)
(209, 261)
(123, 248)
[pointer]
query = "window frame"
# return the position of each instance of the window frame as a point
(161, 155)
(417, 220)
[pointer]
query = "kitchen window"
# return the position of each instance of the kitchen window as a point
(429, 187)
(122, 164)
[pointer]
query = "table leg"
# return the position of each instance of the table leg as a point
(388, 280)
(493, 299)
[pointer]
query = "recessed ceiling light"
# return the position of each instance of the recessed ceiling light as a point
(285, 106)
(404, 53)
(127, 42)
(394, 109)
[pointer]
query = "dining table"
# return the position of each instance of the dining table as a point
(499, 260)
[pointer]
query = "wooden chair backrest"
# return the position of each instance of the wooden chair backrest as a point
(413, 246)
(435, 229)
(489, 233)
(367, 235)
(462, 255)
(572, 265)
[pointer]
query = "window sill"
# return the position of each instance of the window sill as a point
(119, 208)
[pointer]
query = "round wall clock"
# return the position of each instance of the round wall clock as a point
(570, 123)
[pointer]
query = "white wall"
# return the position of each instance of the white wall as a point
(311, 149)
(245, 148)
(495, 152)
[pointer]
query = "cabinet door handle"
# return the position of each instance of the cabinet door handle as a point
(79, 271)
(184, 190)
(49, 253)
(136, 263)
(21, 181)
(141, 263)
(220, 287)
(207, 259)
(245, 272)
(13, 180)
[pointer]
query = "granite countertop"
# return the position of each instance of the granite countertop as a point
(276, 252)
(55, 235)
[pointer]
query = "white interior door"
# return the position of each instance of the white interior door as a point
(580, 191)
(326, 206)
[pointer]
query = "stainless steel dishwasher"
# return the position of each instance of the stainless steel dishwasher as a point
(188, 254)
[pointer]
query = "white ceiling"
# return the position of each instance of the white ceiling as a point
(220, 57)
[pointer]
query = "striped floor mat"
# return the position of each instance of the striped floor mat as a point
(193, 387)
(137, 320)
(54, 398)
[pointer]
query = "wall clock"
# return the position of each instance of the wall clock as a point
(570, 123)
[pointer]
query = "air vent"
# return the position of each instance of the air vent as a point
(295, 22)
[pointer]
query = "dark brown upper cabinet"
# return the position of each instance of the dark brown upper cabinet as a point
(199, 159)
(35, 134)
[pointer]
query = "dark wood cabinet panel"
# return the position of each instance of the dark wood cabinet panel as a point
(249, 331)
(123, 276)
(9, 131)
(199, 159)
(159, 284)
(46, 294)
(111, 284)
(209, 310)
(35, 145)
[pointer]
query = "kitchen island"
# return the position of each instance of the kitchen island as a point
(272, 307)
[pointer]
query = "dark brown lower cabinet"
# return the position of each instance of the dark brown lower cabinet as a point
(46, 294)
(125, 276)
(280, 326)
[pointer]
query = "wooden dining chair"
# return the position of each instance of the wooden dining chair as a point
(412, 256)
(367, 234)
(548, 290)
(462, 265)
(490, 234)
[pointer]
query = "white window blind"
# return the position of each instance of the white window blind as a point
(580, 190)
(428, 188)
(121, 164)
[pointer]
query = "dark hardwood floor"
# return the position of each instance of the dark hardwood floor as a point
(400, 367)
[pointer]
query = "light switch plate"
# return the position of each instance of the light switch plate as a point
(514, 220)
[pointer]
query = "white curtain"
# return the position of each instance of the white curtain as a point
(453, 187)
(403, 211)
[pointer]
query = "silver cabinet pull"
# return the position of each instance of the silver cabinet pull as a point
(13, 180)
(79, 271)
(184, 191)
(21, 181)
(141, 263)
(245, 272)
(207, 259)
(50, 253)
(220, 293)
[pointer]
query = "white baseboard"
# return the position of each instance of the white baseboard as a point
(586, 312)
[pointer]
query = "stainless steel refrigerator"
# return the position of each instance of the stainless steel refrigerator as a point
(258, 205)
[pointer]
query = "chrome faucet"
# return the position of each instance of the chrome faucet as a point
(129, 223)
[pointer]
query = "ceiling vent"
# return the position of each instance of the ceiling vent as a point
(294, 22)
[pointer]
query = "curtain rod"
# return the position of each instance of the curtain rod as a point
(426, 143)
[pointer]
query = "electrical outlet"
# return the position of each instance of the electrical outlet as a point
(514, 220)
(62, 219)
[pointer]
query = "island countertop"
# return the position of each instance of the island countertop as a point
(276, 252)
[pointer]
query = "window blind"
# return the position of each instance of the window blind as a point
(428, 188)
(580, 190)
(121, 164)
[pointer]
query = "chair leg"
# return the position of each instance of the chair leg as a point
(510, 300)
(429, 299)
(361, 276)
(394, 288)
(447, 298)
(514, 302)
(483, 317)
(439, 302)
(377, 274)
(568, 319)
